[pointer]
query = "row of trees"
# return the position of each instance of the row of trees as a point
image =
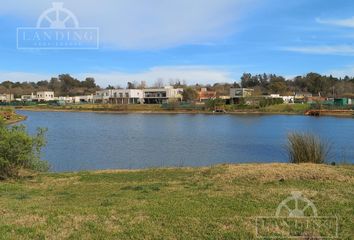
(314, 83)
(62, 85)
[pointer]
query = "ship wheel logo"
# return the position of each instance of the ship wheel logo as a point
(296, 206)
(57, 17)
(57, 28)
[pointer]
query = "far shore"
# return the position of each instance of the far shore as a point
(164, 111)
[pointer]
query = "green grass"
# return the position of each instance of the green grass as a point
(287, 108)
(219, 202)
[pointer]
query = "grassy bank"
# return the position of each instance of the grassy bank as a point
(220, 202)
(9, 116)
(282, 108)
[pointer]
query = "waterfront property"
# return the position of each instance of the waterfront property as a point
(162, 95)
(139, 96)
(44, 96)
(205, 95)
(6, 97)
(119, 96)
(126, 96)
(41, 96)
(236, 94)
(286, 99)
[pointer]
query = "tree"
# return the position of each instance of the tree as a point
(89, 83)
(277, 84)
(19, 150)
(159, 83)
(248, 81)
(189, 94)
(131, 85)
(213, 104)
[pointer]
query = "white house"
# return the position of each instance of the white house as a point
(138, 96)
(44, 96)
(83, 99)
(102, 96)
(286, 99)
(119, 96)
(162, 95)
(6, 97)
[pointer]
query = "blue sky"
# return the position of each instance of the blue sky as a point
(199, 41)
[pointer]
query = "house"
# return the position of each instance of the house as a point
(119, 96)
(83, 99)
(102, 96)
(302, 97)
(204, 95)
(237, 93)
(6, 97)
(286, 99)
(27, 98)
(44, 96)
(138, 96)
(162, 95)
(127, 96)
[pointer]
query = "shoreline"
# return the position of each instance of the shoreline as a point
(334, 114)
(192, 168)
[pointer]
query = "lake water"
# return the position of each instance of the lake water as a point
(90, 141)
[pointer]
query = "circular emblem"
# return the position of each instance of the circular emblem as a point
(296, 206)
(57, 17)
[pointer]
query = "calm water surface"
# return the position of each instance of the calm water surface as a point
(89, 141)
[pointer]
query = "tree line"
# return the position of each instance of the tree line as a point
(63, 85)
(314, 83)
(263, 84)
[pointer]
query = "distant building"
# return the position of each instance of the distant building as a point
(286, 99)
(138, 96)
(127, 96)
(6, 97)
(162, 95)
(119, 96)
(44, 96)
(103, 96)
(204, 95)
(83, 99)
(27, 98)
(237, 93)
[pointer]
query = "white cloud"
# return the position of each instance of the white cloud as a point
(191, 74)
(342, 72)
(139, 24)
(325, 50)
(23, 77)
(348, 22)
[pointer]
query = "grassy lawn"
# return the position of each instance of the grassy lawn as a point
(287, 108)
(219, 202)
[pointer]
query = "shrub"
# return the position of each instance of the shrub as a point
(307, 148)
(19, 150)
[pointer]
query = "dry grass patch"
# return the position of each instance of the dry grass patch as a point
(279, 171)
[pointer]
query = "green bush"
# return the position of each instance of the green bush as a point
(270, 101)
(19, 150)
(307, 148)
